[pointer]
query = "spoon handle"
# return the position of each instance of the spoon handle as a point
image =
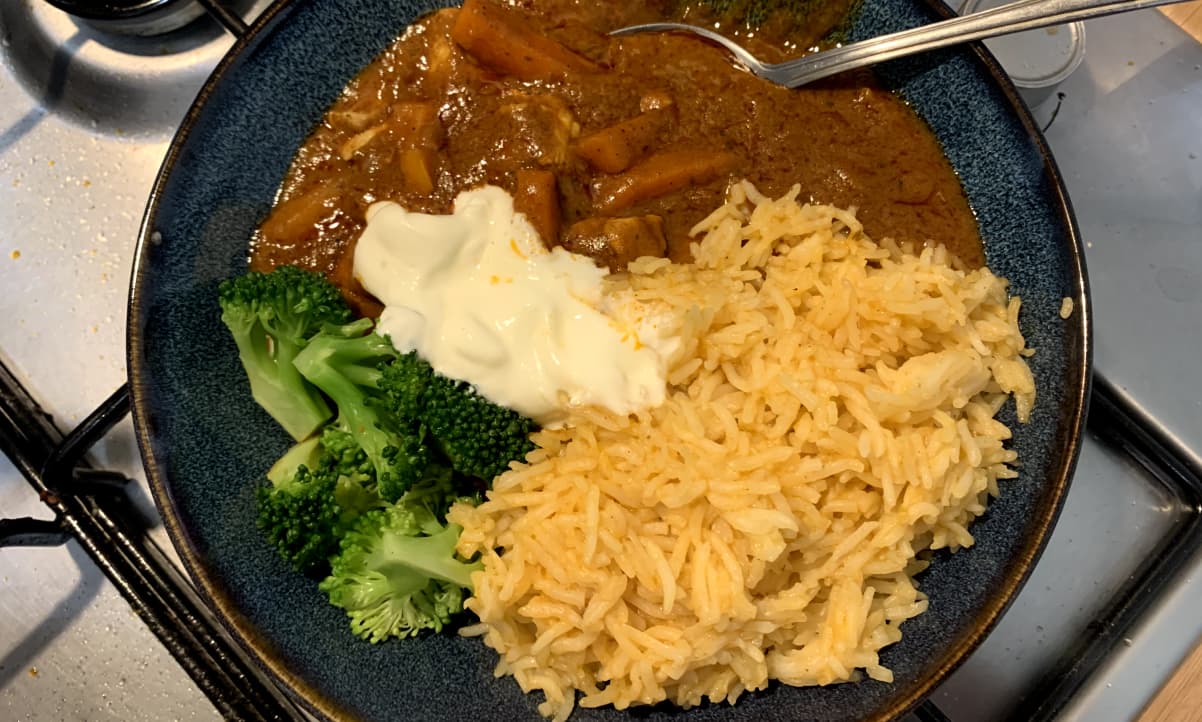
(1012, 18)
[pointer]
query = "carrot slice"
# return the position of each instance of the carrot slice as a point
(537, 197)
(295, 219)
(417, 169)
(614, 149)
(498, 38)
(660, 175)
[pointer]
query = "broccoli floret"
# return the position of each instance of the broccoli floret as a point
(403, 383)
(345, 362)
(435, 493)
(395, 407)
(301, 518)
(270, 316)
(356, 488)
(342, 446)
(479, 437)
(309, 504)
(397, 573)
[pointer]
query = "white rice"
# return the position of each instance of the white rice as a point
(830, 415)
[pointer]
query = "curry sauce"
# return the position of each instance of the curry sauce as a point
(612, 147)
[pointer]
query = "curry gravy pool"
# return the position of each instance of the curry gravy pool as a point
(613, 147)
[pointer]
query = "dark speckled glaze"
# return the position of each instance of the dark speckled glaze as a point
(204, 441)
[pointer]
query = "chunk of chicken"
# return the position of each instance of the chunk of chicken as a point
(615, 242)
(536, 196)
(543, 125)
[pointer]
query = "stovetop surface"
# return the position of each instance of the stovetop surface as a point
(78, 154)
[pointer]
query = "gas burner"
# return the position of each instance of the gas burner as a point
(93, 62)
(133, 17)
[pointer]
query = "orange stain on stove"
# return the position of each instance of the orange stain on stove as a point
(15, 254)
(33, 672)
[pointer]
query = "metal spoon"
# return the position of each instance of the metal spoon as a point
(1012, 18)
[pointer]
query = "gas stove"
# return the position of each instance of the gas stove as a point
(97, 621)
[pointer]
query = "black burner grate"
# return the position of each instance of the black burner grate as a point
(90, 507)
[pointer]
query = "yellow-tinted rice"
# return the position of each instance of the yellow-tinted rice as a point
(830, 415)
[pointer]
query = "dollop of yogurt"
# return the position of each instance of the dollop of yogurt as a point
(478, 296)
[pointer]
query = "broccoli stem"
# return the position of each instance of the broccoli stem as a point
(277, 386)
(306, 453)
(433, 557)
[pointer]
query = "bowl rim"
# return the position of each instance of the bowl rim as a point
(302, 692)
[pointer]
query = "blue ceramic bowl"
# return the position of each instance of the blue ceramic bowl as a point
(205, 442)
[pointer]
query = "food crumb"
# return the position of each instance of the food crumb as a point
(1066, 307)
(15, 254)
(87, 183)
(33, 671)
(1131, 63)
(513, 244)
